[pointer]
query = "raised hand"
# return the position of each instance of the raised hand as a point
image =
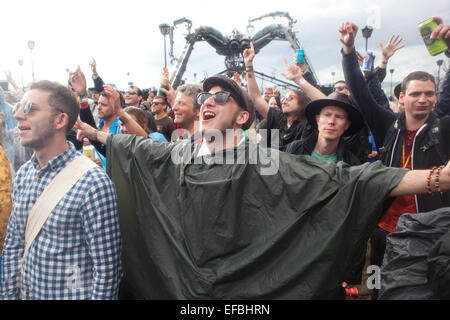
(442, 31)
(93, 65)
(249, 55)
(391, 47)
(78, 81)
(113, 96)
(237, 78)
(293, 72)
(170, 93)
(348, 31)
(360, 58)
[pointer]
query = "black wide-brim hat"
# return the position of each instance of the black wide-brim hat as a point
(340, 100)
(236, 91)
(397, 90)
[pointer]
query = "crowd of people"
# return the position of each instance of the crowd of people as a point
(215, 190)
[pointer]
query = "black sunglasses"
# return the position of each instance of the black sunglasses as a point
(339, 88)
(157, 103)
(220, 97)
(131, 93)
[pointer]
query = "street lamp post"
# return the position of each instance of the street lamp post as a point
(31, 47)
(439, 63)
(21, 72)
(392, 72)
(367, 32)
(165, 30)
(332, 77)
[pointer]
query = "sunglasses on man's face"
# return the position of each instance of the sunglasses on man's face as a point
(340, 88)
(156, 103)
(26, 107)
(131, 93)
(220, 97)
(288, 98)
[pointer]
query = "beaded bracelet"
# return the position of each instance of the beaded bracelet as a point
(429, 180)
(437, 188)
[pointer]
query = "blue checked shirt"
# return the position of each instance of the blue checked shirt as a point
(77, 253)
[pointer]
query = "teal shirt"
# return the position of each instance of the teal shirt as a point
(330, 158)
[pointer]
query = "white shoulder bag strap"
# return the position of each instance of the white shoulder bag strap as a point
(52, 194)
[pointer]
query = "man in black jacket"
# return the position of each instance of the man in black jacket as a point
(414, 138)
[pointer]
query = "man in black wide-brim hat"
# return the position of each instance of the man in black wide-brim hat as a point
(333, 118)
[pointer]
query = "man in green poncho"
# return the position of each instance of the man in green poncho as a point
(225, 219)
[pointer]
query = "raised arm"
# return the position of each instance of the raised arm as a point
(442, 31)
(132, 126)
(387, 51)
(378, 118)
(170, 92)
(295, 74)
(98, 82)
(261, 105)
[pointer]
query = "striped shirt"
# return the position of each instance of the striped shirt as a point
(76, 255)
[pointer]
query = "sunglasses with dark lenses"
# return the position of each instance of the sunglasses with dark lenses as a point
(26, 107)
(131, 93)
(339, 88)
(220, 97)
(157, 103)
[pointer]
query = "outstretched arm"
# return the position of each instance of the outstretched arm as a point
(260, 104)
(423, 181)
(87, 131)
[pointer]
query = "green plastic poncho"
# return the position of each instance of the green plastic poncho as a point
(242, 230)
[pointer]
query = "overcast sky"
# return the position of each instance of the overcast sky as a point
(124, 38)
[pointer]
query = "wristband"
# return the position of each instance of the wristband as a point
(95, 135)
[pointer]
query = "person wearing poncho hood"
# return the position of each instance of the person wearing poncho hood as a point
(217, 220)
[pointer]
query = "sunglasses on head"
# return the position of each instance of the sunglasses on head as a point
(26, 107)
(340, 88)
(220, 97)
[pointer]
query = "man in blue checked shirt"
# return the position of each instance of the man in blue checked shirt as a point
(76, 254)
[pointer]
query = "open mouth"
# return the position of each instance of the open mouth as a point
(23, 128)
(208, 115)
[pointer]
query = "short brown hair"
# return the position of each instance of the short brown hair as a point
(60, 98)
(140, 115)
(417, 75)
